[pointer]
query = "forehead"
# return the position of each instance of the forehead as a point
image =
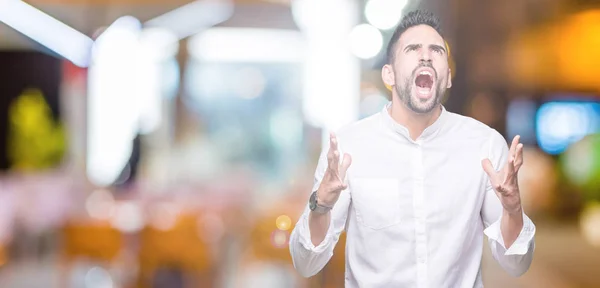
(421, 34)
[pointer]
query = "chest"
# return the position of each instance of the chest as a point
(438, 184)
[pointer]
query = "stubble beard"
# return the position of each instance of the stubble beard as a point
(413, 103)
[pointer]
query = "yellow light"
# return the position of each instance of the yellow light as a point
(283, 222)
(590, 223)
(559, 55)
(451, 63)
(577, 50)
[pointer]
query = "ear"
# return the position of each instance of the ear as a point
(388, 76)
(449, 79)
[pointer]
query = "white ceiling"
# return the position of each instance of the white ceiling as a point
(88, 18)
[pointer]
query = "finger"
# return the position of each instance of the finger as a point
(335, 162)
(333, 145)
(488, 168)
(334, 155)
(519, 157)
(513, 145)
(346, 161)
(510, 166)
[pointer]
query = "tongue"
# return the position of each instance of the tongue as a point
(423, 81)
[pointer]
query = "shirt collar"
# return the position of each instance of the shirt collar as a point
(429, 132)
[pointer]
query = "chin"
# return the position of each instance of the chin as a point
(422, 106)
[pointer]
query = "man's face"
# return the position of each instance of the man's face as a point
(420, 74)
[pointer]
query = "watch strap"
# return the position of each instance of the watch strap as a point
(316, 207)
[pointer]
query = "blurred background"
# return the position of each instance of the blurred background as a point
(154, 143)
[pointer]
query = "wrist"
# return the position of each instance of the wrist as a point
(318, 216)
(516, 212)
(323, 199)
(316, 205)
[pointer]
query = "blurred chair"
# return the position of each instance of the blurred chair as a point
(266, 259)
(333, 274)
(98, 242)
(175, 256)
(3, 255)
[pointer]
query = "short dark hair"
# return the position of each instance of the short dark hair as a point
(413, 18)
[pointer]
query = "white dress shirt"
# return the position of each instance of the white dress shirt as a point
(415, 211)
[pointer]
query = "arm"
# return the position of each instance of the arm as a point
(315, 235)
(510, 232)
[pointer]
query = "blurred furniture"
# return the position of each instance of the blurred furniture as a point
(95, 241)
(333, 274)
(266, 258)
(178, 251)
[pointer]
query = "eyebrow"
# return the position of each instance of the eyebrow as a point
(417, 46)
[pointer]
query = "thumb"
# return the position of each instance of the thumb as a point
(488, 167)
(344, 166)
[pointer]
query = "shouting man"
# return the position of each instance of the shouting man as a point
(415, 186)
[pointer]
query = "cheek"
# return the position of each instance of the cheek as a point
(442, 71)
(406, 72)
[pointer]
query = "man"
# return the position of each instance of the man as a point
(416, 185)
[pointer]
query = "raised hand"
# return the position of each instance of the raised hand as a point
(505, 181)
(333, 181)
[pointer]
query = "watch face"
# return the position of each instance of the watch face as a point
(312, 203)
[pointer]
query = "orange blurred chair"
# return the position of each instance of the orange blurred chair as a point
(334, 272)
(179, 247)
(3, 255)
(94, 240)
(267, 245)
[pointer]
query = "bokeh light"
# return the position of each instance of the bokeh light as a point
(590, 223)
(581, 165)
(279, 238)
(128, 217)
(537, 180)
(98, 277)
(384, 14)
(365, 41)
(283, 222)
(164, 216)
(100, 204)
(559, 124)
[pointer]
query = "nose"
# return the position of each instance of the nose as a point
(425, 55)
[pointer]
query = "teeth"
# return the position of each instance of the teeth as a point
(425, 73)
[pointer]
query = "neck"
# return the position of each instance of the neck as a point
(416, 123)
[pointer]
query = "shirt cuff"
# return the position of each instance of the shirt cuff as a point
(523, 241)
(305, 239)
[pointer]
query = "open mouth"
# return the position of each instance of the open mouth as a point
(424, 80)
(424, 83)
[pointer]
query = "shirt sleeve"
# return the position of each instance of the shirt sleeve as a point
(517, 258)
(308, 259)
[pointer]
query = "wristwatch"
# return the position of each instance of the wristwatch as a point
(313, 204)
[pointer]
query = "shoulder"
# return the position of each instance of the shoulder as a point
(472, 128)
(360, 128)
(491, 143)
